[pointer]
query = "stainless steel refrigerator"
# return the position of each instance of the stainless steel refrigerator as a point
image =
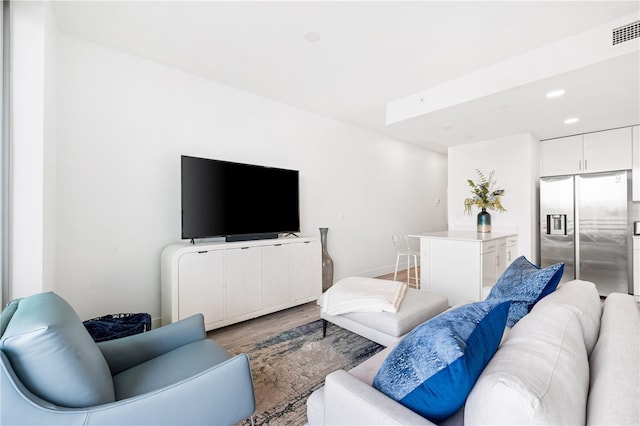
(584, 222)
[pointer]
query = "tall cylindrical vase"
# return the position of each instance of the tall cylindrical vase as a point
(484, 221)
(327, 262)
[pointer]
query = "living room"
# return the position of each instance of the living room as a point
(98, 129)
(99, 199)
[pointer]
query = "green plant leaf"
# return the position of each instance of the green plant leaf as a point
(484, 194)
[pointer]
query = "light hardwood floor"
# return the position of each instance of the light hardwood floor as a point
(402, 275)
(267, 325)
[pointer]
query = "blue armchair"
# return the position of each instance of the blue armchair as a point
(54, 373)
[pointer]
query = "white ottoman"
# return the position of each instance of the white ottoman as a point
(388, 328)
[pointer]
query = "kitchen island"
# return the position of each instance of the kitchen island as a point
(464, 265)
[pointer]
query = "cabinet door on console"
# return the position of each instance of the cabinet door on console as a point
(276, 275)
(243, 281)
(307, 271)
(201, 278)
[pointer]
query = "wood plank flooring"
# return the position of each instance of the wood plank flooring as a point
(267, 325)
(402, 275)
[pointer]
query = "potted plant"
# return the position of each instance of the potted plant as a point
(485, 196)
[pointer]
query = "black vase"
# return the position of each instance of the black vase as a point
(484, 221)
(327, 262)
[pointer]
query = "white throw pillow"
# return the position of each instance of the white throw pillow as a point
(583, 298)
(540, 374)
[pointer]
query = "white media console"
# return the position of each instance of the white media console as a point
(233, 282)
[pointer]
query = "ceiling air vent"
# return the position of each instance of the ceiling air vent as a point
(626, 33)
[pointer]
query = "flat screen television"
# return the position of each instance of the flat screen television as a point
(237, 201)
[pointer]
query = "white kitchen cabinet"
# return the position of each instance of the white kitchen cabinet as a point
(511, 252)
(232, 282)
(635, 172)
(243, 281)
(562, 156)
(636, 268)
(496, 256)
(607, 151)
(596, 152)
(201, 275)
(490, 257)
(463, 265)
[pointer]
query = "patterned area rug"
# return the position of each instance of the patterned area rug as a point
(289, 366)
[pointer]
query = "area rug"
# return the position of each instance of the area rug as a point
(289, 366)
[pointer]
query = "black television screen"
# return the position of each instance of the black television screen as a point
(222, 198)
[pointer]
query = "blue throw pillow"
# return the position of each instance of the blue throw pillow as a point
(434, 367)
(525, 284)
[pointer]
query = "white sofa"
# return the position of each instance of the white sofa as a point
(571, 360)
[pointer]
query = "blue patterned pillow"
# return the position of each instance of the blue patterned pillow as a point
(433, 368)
(525, 284)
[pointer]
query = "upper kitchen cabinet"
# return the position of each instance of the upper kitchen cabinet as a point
(635, 173)
(607, 151)
(562, 156)
(589, 153)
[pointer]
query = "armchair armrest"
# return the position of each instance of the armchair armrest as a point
(126, 352)
(349, 401)
(221, 395)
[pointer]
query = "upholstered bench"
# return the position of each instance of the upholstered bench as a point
(388, 328)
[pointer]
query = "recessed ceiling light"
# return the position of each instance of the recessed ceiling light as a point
(555, 93)
(571, 120)
(312, 35)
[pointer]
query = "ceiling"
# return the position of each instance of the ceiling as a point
(370, 54)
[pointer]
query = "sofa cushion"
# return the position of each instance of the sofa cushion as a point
(433, 368)
(47, 345)
(583, 298)
(615, 369)
(540, 374)
(524, 284)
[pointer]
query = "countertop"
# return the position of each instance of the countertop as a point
(465, 235)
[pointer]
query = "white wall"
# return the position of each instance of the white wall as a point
(122, 124)
(4, 282)
(49, 152)
(31, 104)
(515, 160)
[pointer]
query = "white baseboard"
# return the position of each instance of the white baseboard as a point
(156, 323)
(376, 272)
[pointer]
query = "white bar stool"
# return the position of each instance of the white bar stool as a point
(409, 253)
